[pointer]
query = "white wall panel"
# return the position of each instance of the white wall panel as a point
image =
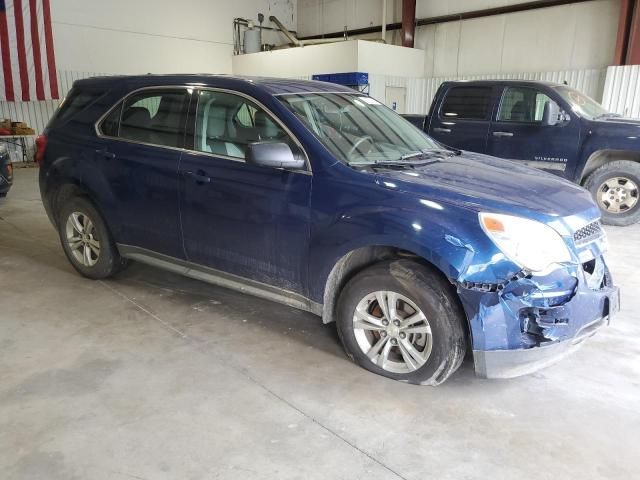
(416, 90)
(622, 90)
(158, 36)
(567, 37)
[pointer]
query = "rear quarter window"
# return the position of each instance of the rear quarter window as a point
(76, 102)
(467, 103)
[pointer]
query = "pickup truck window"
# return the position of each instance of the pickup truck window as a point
(581, 104)
(467, 103)
(357, 129)
(522, 104)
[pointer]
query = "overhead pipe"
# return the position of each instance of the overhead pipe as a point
(300, 43)
(292, 38)
(488, 12)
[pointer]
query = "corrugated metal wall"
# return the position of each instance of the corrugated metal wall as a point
(415, 87)
(37, 114)
(622, 90)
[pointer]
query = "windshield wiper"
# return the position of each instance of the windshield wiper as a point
(427, 153)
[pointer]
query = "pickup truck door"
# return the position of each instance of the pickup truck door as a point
(246, 220)
(463, 117)
(517, 133)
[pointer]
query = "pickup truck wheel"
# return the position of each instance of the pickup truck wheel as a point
(399, 319)
(86, 240)
(614, 186)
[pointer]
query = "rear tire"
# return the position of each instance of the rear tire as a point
(86, 240)
(614, 187)
(381, 329)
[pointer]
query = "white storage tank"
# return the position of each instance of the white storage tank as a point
(252, 39)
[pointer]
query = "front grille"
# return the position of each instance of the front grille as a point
(588, 233)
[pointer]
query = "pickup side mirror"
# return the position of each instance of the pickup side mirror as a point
(552, 114)
(273, 154)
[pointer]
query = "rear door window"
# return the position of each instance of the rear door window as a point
(522, 104)
(157, 117)
(467, 103)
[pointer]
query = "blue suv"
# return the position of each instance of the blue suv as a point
(321, 198)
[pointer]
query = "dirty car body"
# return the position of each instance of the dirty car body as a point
(299, 234)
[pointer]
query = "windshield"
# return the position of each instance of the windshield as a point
(581, 104)
(358, 129)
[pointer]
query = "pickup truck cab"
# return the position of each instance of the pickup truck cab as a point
(320, 197)
(548, 126)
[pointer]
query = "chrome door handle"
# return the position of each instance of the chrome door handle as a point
(442, 130)
(502, 134)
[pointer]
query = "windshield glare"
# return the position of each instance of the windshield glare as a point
(581, 104)
(358, 129)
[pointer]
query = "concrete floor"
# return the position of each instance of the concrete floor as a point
(155, 376)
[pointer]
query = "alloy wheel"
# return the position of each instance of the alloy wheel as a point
(392, 332)
(618, 195)
(82, 239)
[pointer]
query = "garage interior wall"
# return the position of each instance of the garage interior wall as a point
(97, 37)
(573, 43)
(578, 36)
(141, 36)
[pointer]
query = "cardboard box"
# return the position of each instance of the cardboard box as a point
(23, 131)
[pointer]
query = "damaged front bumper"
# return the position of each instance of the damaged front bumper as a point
(522, 361)
(530, 322)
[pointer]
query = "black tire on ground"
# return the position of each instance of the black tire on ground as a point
(430, 293)
(109, 262)
(618, 168)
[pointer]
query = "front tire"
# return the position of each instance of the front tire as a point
(401, 320)
(615, 188)
(86, 240)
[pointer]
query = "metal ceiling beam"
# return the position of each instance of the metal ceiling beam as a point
(488, 12)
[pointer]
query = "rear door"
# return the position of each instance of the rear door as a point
(137, 155)
(518, 133)
(463, 119)
(247, 220)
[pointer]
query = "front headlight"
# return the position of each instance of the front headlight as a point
(531, 244)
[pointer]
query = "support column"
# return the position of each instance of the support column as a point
(633, 48)
(408, 22)
(628, 40)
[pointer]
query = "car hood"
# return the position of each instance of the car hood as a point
(483, 183)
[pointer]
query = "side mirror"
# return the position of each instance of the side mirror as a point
(552, 115)
(273, 154)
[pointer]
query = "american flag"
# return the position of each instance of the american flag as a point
(28, 62)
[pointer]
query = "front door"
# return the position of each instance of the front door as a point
(137, 156)
(238, 218)
(518, 132)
